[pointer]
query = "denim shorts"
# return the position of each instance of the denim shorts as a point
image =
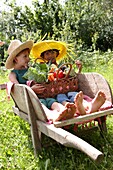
(69, 97)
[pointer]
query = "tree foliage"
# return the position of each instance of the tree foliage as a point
(84, 23)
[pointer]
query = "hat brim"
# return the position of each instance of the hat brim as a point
(9, 62)
(42, 46)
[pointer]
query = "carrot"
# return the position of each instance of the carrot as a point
(51, 77)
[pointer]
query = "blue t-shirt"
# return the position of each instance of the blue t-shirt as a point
(19, 75)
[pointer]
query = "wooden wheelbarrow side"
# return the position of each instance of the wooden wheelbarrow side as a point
(28, 107)
(90, 83)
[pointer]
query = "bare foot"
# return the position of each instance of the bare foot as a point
(97, 102)
(71, 110)
(67, 113)
(79, 103)
(61, 115)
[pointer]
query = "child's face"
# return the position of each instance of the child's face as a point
(22, 59)
(50, 55)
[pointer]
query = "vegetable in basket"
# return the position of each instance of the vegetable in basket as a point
(38, 73)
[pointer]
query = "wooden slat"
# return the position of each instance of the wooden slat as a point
(21, 114)
(70, 140)
(19, 97)
(32, 117)
(84, 118)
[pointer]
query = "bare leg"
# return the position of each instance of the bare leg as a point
(57, 106)
(79, 103)
(59, 111)
(97, 102)
(49, 113)
(54, 115)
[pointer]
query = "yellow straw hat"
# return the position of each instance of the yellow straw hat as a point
(42, 46)
(15, 48)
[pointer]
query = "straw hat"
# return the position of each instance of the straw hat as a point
(42, 46)
(15, 48)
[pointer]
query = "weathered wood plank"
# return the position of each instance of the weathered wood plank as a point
(84, 118)
(32, 117)
(18, 95)
(70, 140)
(90, 83)
(21, 114)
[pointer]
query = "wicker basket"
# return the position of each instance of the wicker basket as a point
(63, 85)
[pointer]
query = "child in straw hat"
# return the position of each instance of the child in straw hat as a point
(53, 51)
(18, 60)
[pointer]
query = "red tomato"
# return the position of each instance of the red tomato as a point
(60, 74)
(54, 74)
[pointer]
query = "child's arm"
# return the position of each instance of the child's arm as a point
(12, 78)
(79, 66)
(37, 88)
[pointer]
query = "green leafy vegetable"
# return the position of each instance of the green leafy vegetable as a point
(38, 73)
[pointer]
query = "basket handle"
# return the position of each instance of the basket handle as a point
(67, 64)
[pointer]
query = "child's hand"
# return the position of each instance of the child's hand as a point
(1, 43)
(78, 65)
(38, 88)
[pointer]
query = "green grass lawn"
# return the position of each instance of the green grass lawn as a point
(16, 150)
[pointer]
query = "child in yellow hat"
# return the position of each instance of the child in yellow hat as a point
(49, 50)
